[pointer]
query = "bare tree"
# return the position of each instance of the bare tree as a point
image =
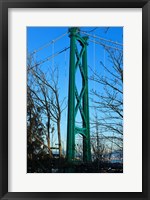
(108, 97)
(35, 128)
(45, 92)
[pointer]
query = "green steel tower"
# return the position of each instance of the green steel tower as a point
(78, 101)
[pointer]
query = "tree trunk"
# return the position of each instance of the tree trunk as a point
(49, 146)
(59, 138)
(48, 136)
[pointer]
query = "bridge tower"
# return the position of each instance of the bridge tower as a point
(78, 101)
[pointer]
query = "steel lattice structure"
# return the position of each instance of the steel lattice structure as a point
(78, 101)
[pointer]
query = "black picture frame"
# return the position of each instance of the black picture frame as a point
(4, 6)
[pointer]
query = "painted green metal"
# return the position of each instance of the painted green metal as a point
(78, 59)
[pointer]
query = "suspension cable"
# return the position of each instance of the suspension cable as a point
(105, 45)
(106, 40)
(48, 44)
(49, 58)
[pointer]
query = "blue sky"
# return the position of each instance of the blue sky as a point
(39, 36)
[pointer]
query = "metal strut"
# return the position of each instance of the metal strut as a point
(78, 59)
